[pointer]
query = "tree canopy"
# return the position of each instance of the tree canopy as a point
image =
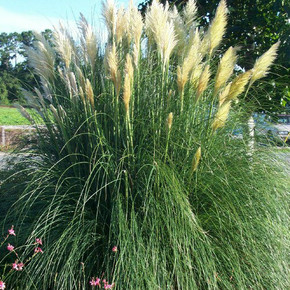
(14, 71)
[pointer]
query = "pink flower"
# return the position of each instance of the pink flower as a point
(39, 241)
(38, 250)
(11, 232)
(20, 266)
(15, 266)
(2, 285)
(115, 249)
(10, 248)
(96, 282)
(109, 286)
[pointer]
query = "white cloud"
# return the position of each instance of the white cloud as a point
(18, 22)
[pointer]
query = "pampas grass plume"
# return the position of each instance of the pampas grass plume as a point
(221, 115)
(223, 95)
(109, 13)
(189, 13)
(263, 63)
(169, 121)
(121, 24)
(203, 82)
(225, 68)
(218, 26)
(90, 92)
(196, 159)
(113, 66)
(238, 85)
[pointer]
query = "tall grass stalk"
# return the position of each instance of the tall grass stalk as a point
(144, 158)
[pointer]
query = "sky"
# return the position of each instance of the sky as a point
(23, 15)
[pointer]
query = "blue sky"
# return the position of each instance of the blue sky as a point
(21, 15)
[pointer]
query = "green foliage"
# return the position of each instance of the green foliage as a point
(11, 116)
(110, 168)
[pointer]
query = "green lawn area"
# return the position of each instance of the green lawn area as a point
(11, 116)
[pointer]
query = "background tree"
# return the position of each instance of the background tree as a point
(254, 26)
(15, 73)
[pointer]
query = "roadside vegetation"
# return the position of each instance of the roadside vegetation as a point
(136, 180)
(11, 116)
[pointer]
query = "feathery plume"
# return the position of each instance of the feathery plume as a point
(88, 41)
(63, 44)
(121, 24)
(238, 85)
(169, 121)
(179, 28)
(109, 14)
(135, 25)
(223, 95)
(196, 159)
(129, 74)
(161, 30)
(221, 115)
(263, 63)
(113, 66)
(203, 81)
(218, 26)
(189, 13)
(225, 68)
(90, 92)
(127, 92)
(129, 67)
(42, 58)
(195, 76)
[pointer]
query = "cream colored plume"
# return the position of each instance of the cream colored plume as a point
(203, 82)
(129, 75)
(190, 13)
(179, 28)
(129, 69)
(196, 160)
(64, 44)
(169, 121)
(263, 63)
(109, 13)
(195, 76)
(89, 41)
(121, 24)
(135, 25)
(90, 92)
(223, 95)
(218, 26)
(42, 58)
(161, 29)
(238, 85)
(221, 115)
(127, 92)
(192, 59)
(225, 68)
(113, 66)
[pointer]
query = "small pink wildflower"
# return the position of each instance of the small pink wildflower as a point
(20, 266)
(10, 248)
(2, 285)
(15, 266)
(115, 249)
(109, 286)
(11, 232)
(39, 241)
(38, 250)
(95, 282)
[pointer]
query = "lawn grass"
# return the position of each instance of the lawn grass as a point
(11, 116)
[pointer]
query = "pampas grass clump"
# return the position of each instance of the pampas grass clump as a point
(137, 152)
